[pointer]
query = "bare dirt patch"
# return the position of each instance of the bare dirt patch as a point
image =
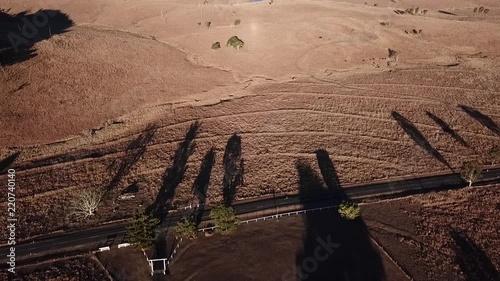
(125, 264)
(268, 250)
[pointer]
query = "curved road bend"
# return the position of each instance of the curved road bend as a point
(115, 233)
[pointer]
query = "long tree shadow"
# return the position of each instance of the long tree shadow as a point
(412, 131)
(481, 118)
(233, 169)
(333, 248)
(328, 170)
(447, 129)
(175, 174)
(202, 182)
(8, 161)
(472, 260)
(135, 150)
(20, 32)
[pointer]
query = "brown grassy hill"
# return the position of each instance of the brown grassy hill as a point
(84, 77)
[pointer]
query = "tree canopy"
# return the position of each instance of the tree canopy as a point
(142, 229)
(225, 219)
(186, 227)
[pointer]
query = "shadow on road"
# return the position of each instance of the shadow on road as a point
(20, 32)
(419, 138)
(233, 169)
(333, 248)
(175, 174)
(447, 129)
(202, 182)
(481, 118)
(135, 150)
(472, 260)
(7, 162)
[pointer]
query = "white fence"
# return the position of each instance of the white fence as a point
(166, 261)
(276, 216)
(123, 245)
(104, 249)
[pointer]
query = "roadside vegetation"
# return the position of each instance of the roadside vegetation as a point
(235, 42)
(186, 227)
(349, 210)
(471, 171)
(142, 229)
(225, 219)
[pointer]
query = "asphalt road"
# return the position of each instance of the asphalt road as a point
(115, 234)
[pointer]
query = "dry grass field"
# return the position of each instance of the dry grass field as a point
(111, 101)
(279, 123)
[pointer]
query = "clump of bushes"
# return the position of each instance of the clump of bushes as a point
(349, 210)
(235, 42)
(186, 227)
(481, 10)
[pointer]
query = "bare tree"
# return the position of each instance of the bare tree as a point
(86, 203)
(471, 171)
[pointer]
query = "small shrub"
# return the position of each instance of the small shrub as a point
(216, 45)
(481, 9)
(208, 24)
(475, 10)
(235, 42)
(349, 210)
(392, 53)
(486, 11)
(186, 227)
(225, 220)
(237, 22)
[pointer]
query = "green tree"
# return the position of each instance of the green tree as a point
(349, 210)
(142, 229)
(225, 220)
(495, 154)
(471, 171)
(186, 227)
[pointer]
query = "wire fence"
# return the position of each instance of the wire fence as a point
(275, 216)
